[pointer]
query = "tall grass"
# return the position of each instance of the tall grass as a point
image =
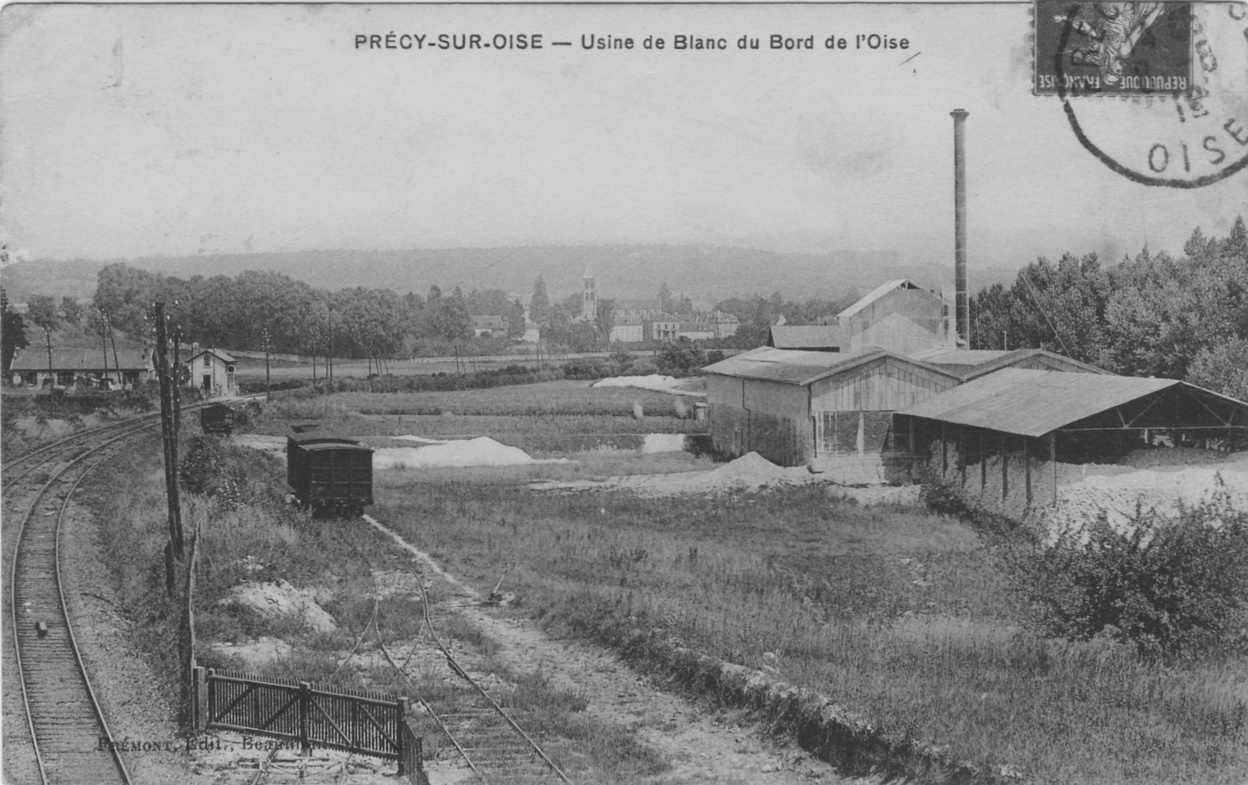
(900, 616)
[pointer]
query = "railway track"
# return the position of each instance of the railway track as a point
(487, 735)
(69, 736)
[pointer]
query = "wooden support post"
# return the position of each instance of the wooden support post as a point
(961, 458)
(983, 465)
(198, 693)
(1005, 471)
(944, 453)
(400, 735)
(305, 717)
(1053, 461)
(1027, 470)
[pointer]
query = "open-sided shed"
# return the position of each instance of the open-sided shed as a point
(1021, 423)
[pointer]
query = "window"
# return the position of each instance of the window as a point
(207, 361)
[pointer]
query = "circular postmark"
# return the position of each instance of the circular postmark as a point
(1138, 106)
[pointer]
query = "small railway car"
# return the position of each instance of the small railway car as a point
(217, 419)
(332, 476)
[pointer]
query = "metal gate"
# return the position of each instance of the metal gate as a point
(306, 717)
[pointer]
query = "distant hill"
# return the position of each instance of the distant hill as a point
(706, 274)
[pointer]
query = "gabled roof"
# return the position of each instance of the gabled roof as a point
(877, 293)
(801, 368)
(1034, 403)
(220, 355)
(804, 336)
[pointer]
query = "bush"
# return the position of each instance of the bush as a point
(1171, 587)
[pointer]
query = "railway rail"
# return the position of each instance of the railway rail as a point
(69, 735)
(485, 734)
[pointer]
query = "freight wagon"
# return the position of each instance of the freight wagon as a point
(217, 419)
(332, 476)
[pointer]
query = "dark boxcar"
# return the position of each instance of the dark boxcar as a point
(217, 419)
(333, 476)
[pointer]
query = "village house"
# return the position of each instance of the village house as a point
(212, 371)
(489, 325)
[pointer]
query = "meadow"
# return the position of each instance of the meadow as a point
(896, 614)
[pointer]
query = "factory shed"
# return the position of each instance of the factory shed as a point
(805, 337)
(1003, 436)
(827, 410)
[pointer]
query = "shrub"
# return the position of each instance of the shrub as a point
(1171, 587)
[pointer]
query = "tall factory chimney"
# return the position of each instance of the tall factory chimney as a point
(961, 304)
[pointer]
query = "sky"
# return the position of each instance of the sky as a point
(145, 130)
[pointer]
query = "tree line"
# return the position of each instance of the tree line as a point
(1152, 315)
(271, 311)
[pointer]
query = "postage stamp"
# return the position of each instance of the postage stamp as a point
(1184, 69)
(1112, 49)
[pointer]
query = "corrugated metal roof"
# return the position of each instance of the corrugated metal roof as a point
(877, 293)
(804, 336)
(795, 367)
(944, 355)
(1033, 403)
(971, 363)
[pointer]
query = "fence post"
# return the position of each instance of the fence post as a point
(212, 698)
(197, 697)
(400, 734)
(305, 712)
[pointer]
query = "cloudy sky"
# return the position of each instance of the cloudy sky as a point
(177, 130)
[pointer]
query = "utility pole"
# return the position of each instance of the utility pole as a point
(267, 394)
(169, 439)
(176, 383)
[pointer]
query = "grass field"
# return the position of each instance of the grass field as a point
(894, 613)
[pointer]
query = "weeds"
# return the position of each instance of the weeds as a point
(903, 617)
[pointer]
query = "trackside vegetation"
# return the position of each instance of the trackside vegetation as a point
(904, 619)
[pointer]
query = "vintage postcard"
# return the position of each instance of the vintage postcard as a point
(625, 393)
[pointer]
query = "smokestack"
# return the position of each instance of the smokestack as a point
(961, 302)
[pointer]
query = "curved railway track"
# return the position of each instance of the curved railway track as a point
(69, 735)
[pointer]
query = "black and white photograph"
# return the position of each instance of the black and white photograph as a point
(624, 393)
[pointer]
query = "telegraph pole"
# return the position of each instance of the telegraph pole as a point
(169, 439)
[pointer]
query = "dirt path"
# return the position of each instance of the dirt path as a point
(701, 747)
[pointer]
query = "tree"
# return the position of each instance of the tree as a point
(515, 320)
(71, 310)
(43, 313)
(539, 306)
(1222, 368)
(12, 331)
(605, 319)
(453, 321)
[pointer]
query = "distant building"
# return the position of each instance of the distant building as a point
(696, 331)
(628, 332)
(489, 325)
(898, 316)
(129, 366)
(640, 310)
(212, 371)
(805, 337)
